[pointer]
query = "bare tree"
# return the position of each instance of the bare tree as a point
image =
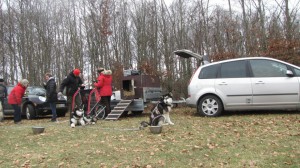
(263, 35)
(60, 35)
(245, 27)
(2, 58)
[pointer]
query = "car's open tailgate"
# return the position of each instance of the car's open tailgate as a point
(188, 54)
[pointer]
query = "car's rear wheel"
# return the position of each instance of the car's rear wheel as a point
(61, 113)
(30, 112)
(210, 106)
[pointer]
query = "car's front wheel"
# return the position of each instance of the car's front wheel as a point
(210, 106)
(30, 112)
(137, 112)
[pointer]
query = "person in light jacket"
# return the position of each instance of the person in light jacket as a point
(15, 99)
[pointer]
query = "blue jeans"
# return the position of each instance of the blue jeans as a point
(53, 109)
(17, 113)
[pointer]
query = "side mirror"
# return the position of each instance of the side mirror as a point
(289, 73)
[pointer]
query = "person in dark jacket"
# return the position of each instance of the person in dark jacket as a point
(71, 83)
(3, 90)
(3, 95)
(15, 99)
(51, 94)
(104, 86)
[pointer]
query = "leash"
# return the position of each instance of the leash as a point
(80, 127)
(123, 129)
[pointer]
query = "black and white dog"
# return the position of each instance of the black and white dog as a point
(77, 117)
(160, 113)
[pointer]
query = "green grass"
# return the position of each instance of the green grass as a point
(233, 140)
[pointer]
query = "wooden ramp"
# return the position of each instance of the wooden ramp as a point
(118, 110)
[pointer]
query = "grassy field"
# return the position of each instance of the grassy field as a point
(241, 139)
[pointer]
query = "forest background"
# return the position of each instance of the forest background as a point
(57, 36)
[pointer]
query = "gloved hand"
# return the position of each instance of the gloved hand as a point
(59, 94)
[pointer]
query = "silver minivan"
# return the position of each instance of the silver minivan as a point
(251, 83)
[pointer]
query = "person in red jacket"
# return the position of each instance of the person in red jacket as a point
(104, 85)
(15, 99)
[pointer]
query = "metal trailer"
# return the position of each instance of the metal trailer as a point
(137, 90)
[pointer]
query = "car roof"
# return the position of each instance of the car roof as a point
(249, 58)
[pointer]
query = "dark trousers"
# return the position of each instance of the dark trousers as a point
(2, 111)
(17, 113)
(77, 103)
(105, 101)
(53, 109)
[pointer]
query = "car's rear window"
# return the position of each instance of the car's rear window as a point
(234, 69)
(209, 72)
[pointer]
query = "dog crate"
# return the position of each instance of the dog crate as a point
(138, 89)
(145, 87)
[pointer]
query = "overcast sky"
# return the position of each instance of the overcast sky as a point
(236, 5)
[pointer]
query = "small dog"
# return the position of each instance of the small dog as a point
(78, 117)
(160, 114)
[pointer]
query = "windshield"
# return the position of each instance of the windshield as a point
(36, 91)
(31, 90)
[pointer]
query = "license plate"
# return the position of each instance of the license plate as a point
(60, 105)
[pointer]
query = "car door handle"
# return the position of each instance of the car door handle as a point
(259, 82)
(223, 83)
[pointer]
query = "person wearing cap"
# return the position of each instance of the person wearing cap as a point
(3, 95)
(71, 83)
(15, 99)
(104, 86)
